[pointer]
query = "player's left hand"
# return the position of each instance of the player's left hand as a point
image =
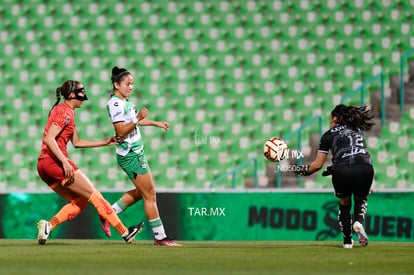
(301, 170)
(164, 125)
(112, 140)
(327, 172)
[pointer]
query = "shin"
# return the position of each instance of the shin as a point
(344, 217)
(105, 210)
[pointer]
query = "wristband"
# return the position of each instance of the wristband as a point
(135, 120)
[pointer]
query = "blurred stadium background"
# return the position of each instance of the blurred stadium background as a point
(227, 75)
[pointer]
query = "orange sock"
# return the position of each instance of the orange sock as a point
(68, 211)
(105, 210)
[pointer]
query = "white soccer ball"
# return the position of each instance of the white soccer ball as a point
(275, 149)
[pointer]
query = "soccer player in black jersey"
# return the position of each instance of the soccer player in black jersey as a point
(351, 170)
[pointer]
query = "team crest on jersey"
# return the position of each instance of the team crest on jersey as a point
(67, 120)
(129, 107)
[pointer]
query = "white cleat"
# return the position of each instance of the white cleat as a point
(362, 236)
(348, 245)
(43, 232)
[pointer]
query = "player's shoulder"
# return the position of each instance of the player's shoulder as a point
(330, 133)
(337, 128)
(60, 109)
(114, 101)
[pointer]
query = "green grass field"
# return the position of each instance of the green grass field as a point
(75, 257)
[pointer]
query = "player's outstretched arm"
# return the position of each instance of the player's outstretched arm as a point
(148, 122)
(316, 165)
(83, 143)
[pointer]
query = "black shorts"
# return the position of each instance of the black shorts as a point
(353, 179)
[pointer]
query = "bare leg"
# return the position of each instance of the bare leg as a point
(130, 197)
(83, 187)
(145, 187)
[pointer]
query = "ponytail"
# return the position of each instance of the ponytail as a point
(356, 118)
(363, 117)
(58, 92)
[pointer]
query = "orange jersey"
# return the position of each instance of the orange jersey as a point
(63, 116)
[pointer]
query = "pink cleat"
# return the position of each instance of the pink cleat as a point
(166, 242)
(106, 226)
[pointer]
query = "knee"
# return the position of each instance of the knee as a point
(149, 195)
(76, 207)
(152, 196)
(80, 202)
(95, 195)
(345, 201)
(358, 199)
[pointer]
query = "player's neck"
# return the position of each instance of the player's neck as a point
(69, 103)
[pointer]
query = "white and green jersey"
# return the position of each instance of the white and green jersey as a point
(124, 111)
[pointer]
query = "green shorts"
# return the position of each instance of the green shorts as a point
(133, 164)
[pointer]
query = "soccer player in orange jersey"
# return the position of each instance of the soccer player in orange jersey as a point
(62, 175)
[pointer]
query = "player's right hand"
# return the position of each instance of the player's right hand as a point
(143, 113)
(301, 170)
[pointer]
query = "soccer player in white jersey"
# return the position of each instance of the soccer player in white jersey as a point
(351, 170)
(130, 154)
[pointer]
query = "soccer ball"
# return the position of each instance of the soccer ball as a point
(275, 149)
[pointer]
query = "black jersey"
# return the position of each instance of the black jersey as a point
(347, 146)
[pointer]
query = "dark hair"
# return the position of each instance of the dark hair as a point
(67, 87)
(357, 118)
(118, 74)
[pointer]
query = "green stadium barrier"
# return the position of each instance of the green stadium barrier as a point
(299, 216)
(361, 91)
(233, 173)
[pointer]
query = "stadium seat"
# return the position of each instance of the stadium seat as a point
(405, 162)
(214, 63)
(406, 120)
(390, 177)
(391, 130)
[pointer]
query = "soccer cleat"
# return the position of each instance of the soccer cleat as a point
(132, 232)
(166, 242)
(348, 245)
(362, 236)
(106, 226)
(43, 233)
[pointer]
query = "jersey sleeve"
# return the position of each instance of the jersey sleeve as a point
(325, 142)
(59, 117)
(116, 111)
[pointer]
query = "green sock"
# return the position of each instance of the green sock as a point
(157, 228)
(119, 206)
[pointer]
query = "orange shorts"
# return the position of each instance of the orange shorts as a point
(51, 170)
